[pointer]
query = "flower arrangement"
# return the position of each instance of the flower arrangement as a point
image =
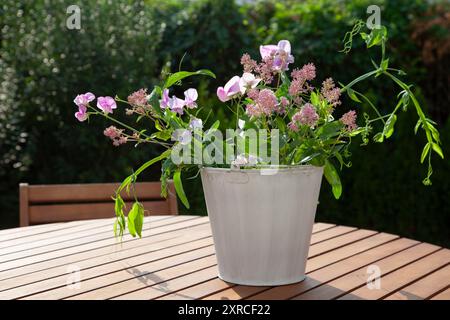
(281, 104)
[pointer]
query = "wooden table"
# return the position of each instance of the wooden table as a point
(175, 260)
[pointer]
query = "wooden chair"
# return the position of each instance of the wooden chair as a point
(68, 202)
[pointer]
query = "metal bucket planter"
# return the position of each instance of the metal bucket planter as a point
(262, 221)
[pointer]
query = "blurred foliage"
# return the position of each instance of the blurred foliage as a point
(124, 45)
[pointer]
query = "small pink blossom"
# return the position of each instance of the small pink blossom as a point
(138, 98)
(266, 70)
(330, 92)
(112, 132)
(293, 126)
(306, 116)
(284, 101)
(349, 120)
(253, 94)
(306, 73)
(248, 63)
(84, 99)
(296, 87)
(119, 141)
(267, 101)
(115, 135)
(106, 104)
(190, 96)
(253, 110)
(231, 89)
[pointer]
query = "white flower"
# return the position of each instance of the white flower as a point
(248, 81)
(196, 123)
(183, 136)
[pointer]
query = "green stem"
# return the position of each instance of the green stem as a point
(360, 78)
(370, 104)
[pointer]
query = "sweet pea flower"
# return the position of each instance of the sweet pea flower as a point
(190, 96)
(281, 54)
(183, 136)
(84, 99)
(176, 104)
(106, 104)
(81, 115)
(164, 102)
(196, 123)
(248, 81)
(231, 89)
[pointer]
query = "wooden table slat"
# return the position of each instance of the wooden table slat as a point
(175, 259)
(396, 280)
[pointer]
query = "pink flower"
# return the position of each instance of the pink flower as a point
(106, 104)
(307, 72)
(190, 96)
(84, 99)
(349, 120)
(306, 116)
(266, 69)
(164, 102)
(281, 54)
(231, 89)
(284, 102)
(248, 81)
(293, 126)
(253, 110)
(253, 94)
(176, 105)
(296, 87)
(112, 132)
(81, 115)
(330, 92)
(248, 63)
(267, 101)
(138, 98)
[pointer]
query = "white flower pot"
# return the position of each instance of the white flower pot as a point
(262, 221)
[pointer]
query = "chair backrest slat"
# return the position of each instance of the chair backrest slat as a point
(67, 202)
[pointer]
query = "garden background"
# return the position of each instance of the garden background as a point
(125, 45)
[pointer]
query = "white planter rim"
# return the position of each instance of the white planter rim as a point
(257, 169)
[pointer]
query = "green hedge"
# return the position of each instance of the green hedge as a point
(124, 45)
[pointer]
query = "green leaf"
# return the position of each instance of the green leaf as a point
(215, 125)
(379, 137)
(388, 129)
(136, 219)
(416, 128)
(351, 93)
(329, 130)
(153, 100)
(384, 64)
(175, 77)
(425, 151)
(315, 99)
(333, 179)
(179, 188)
(162, 135)
(437, 149)
(376, 36)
